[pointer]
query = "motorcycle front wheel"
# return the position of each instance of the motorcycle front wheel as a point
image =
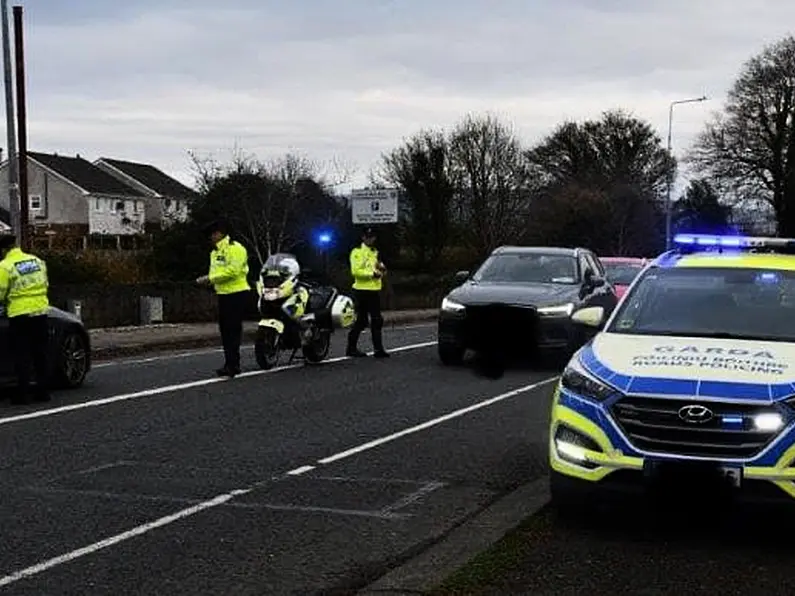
(266, 348)
(317, 350)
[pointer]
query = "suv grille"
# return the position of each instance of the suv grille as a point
(655, 425)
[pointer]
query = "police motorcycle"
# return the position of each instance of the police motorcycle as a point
(296, 314)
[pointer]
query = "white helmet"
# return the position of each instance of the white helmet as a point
(284, 263)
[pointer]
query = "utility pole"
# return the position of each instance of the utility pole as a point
(11, 128)
(22, 129)
(670, 178)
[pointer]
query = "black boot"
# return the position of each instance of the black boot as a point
(353, 339)
(378, 344)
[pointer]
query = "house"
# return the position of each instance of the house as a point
(169, 199)
(71, 200)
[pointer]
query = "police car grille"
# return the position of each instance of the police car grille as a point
(654, 424)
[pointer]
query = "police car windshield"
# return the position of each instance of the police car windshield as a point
(528, 268)
(711, 302)
(622, 273)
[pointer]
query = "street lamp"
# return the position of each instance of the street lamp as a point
(670, 178)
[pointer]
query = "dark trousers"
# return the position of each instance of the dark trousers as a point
(29, 338)
(232, 310)
(368, 306)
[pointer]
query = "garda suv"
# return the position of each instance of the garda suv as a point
(690, 381)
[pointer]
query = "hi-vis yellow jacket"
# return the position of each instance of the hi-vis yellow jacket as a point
(363, 264)
(23, 284)
(229, 267)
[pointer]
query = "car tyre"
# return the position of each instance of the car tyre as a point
(451, 354)
(72, 360)
(567, 502)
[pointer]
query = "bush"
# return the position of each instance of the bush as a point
(110, 267)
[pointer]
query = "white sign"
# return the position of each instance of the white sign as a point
(374, 206)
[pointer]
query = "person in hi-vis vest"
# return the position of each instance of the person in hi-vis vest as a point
(368, 272)
(229, 278)
(24, 286)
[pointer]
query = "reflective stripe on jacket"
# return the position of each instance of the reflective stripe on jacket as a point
(23, 284)
(363, 263)
(229, 267)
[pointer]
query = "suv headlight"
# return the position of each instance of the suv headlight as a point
(451, 305)
(562, 310)
(578, 381)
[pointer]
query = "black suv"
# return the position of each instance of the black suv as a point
(521, 299)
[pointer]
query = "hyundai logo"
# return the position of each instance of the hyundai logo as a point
(696, 414)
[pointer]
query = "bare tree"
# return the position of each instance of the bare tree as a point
(749, 148)
(423, 168)
(494, 180)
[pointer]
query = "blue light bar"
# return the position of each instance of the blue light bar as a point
(740, 242)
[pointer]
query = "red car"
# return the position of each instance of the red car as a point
(621, 271)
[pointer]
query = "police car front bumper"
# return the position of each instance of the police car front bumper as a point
(591, 458)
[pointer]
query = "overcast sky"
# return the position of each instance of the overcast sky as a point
(149, 80)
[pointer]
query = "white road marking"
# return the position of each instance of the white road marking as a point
(180, 387)
(118, 538)
(434, 422)
(229, 496)
(207, 351)
(301, 470)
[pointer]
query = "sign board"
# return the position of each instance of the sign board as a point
(374, 206)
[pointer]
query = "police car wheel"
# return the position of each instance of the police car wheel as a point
(71, 365)
(451, 354)
(567, 501)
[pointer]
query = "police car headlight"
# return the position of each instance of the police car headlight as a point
(452, 306)
(578, 381)
(562, 310)
(770, 422)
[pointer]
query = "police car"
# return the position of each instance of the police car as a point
(691, 379)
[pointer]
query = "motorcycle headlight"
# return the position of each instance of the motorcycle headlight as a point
(452, 306)
(577, 380)
(561, 310)
(271, 294)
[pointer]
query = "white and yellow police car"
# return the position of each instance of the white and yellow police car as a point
(691, 378)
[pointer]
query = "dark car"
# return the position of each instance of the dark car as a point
(522, 297)
(70, 350)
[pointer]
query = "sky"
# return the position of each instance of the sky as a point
(344, 81)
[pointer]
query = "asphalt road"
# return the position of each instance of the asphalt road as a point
(158, 478)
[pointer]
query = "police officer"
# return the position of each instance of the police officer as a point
(228, 276)
(368, 272)
(23, 291)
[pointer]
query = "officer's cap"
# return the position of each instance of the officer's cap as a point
(215, 226)
(368, 233)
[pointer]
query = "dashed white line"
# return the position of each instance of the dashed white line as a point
(414, 429)
(301, 470)
(179, 387)
(113, 540)
(226, 497)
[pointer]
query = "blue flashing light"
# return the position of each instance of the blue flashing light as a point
(323, 238)
(695, 241)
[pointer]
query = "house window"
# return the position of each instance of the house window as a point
(137, 206)
(119, 206)
(98, 205)
(34, 202)
(168, 203)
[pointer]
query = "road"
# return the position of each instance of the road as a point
(159, 478)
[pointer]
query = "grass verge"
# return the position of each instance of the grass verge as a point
(487, 571)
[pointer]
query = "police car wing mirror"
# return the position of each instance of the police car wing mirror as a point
(592, 316)
(461, 276)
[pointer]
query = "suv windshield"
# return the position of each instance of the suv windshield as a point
(622, 273)
(528, 268)
(711, 302)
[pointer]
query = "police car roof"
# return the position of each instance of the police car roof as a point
(726, 259)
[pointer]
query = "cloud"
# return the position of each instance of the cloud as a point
(150, 80)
